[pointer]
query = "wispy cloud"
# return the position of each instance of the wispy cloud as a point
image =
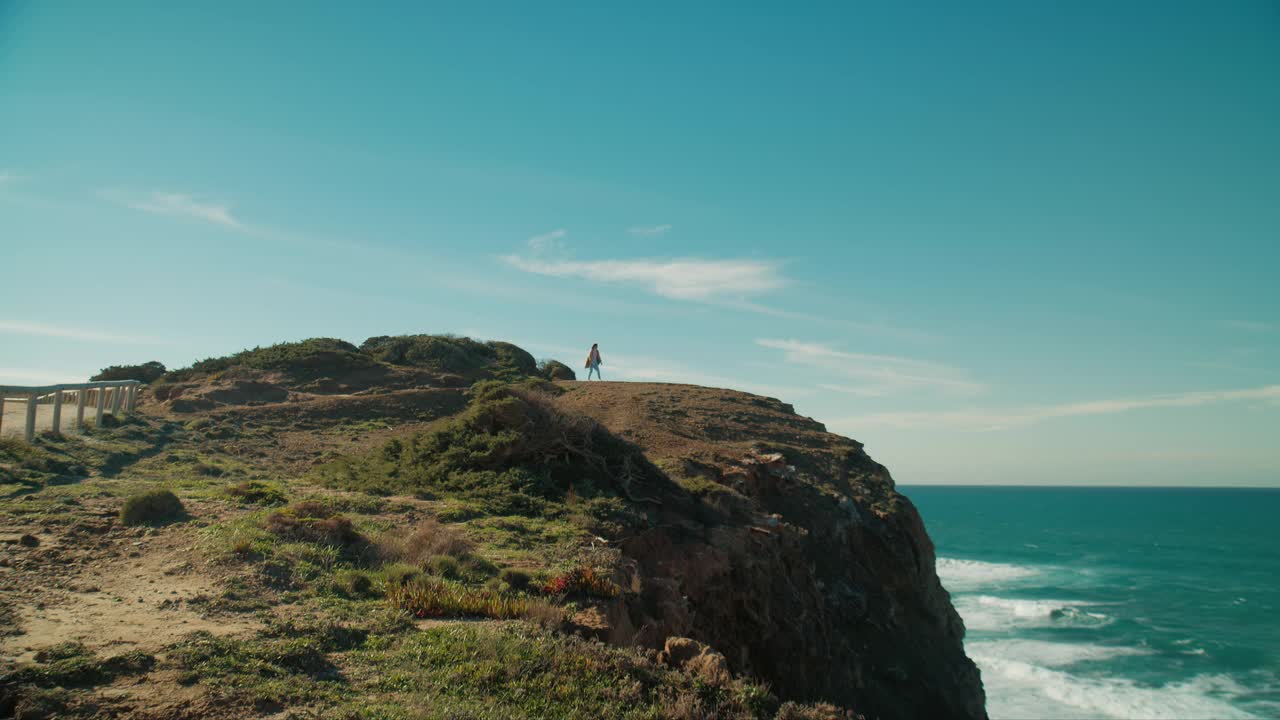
(1249, 325)
(986, 420)
(682, 279)
(649, 230)
(179, 204)
(547, 241)
(877, 375)
(8, 327)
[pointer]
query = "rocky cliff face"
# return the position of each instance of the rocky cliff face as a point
(790, 552)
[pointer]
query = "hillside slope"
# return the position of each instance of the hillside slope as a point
(426, 527)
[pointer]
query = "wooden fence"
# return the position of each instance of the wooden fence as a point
(114, 396)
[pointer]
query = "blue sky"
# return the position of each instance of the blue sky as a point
(999, 242)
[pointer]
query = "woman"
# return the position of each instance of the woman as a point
(594, 362)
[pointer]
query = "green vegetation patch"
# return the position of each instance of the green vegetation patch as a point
(447, 353)
(519, 670)
(257, 492)
(154, 507)
(556, 370)
(513, 452)
(74, 665)
(147, 372)
(312, 522)
(260, 669)
(431, 598)
(314, 357)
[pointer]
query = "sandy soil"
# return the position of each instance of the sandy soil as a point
(112, 588)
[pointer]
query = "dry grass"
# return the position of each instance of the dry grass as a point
(428, 540)
(432, 599)
(312, 522)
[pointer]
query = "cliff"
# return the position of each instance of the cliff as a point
(429, 527)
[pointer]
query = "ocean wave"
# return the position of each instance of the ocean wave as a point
(1020, 689)
(1050, 654)
(960, 575)
(992, 613)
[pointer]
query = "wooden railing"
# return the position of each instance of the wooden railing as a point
(117, 395)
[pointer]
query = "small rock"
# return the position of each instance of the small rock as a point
(29, 540)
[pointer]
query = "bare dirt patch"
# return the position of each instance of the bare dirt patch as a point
(106, 586)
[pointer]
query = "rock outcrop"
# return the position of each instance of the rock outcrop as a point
(798, 561)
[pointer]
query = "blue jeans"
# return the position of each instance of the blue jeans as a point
(596, 369)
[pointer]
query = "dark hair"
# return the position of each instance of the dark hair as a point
(594, 344)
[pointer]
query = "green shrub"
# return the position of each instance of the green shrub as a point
(314, 357)
(447, 353)
(354, 583)
(397, 574)
(514, 451)
(514, 579)
(147, 372)
(153, 507)
(257, 492)
(446, 566)
(556, 370)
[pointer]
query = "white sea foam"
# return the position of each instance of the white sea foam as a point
(1017, 688)
(992, 613)
(960, 575)
(1050, 654)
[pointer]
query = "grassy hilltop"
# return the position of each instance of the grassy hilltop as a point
(434, 527)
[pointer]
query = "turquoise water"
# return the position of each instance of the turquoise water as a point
(1115, 602)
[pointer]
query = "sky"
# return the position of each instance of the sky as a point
(996, 242)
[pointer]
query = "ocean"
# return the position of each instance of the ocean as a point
(1114, 602)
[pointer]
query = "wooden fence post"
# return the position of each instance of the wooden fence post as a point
(57, 412)
(31, 416)
(102, 404)
(132, 399)
(1, 413)
(80, 396)
(116, 397)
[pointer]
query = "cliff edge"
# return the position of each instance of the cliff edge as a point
(428, 526)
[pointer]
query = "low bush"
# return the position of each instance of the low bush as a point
(445, 566)
(312, 522)
(354, 583)
(257, 492)
(397, 574)
(556, 370)
(515, 579)
(153, 507)
(428, 540)
(147, 372)
(447, 353)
